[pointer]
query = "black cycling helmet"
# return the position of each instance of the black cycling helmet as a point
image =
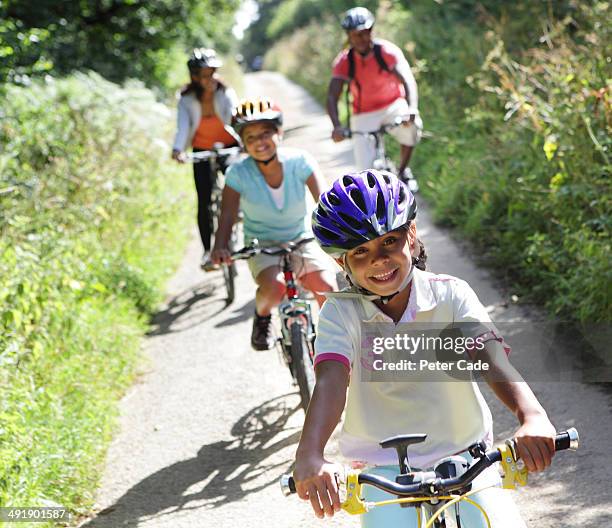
(261, 110)
(357, 18)
(203, 58)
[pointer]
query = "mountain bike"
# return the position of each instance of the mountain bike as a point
(214, 156)
(382, 161)
(297, 327)
(434, 492)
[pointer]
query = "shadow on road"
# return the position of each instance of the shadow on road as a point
(187, 309)
(221, 473)
(244, 313)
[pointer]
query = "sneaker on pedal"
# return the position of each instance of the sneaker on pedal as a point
(408, 178)
(205, 262)
(261, 336)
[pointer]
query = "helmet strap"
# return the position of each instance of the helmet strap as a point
(371, 296)
(268, 161)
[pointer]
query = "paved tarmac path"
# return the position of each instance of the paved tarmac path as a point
(210, 424)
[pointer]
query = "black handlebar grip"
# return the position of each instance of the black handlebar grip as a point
(567, 440)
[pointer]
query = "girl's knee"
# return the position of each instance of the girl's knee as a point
(272, 289)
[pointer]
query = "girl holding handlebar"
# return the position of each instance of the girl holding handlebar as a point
(366, 221)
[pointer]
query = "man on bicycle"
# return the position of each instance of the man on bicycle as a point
(382, 87)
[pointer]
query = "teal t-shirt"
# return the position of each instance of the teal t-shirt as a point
(262, 218)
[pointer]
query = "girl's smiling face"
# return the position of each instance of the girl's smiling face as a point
(381, 265)
(261, 140)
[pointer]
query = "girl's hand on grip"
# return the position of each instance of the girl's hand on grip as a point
(221, 256)
(535, 442)
(316, 480)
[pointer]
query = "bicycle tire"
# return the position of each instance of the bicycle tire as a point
(230, 271)
(301, 361)
(229, 274)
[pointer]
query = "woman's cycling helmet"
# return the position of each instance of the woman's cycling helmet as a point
(203, 58)
(360, 207)
(256, 111)
(357, 18)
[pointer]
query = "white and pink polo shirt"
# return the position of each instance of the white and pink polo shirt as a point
(454, 414)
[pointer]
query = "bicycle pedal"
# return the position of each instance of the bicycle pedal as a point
(210, 267)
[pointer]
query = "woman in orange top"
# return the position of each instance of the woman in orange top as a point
(204, 115)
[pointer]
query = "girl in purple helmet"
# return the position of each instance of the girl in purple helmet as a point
(366, 221)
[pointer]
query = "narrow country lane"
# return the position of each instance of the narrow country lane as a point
(210, 425)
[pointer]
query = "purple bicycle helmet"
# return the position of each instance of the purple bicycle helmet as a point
(360, 207)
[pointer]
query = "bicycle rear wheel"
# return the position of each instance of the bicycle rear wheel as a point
(301, 361)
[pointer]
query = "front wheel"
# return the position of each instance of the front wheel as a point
(301, 362)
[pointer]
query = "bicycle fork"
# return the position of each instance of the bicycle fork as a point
(293, 309)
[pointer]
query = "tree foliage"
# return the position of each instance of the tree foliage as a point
(280, 18)
(117, 38)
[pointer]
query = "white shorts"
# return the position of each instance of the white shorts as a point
(364, 147)
(308, 258)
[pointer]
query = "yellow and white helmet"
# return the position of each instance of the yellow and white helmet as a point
(260, 110)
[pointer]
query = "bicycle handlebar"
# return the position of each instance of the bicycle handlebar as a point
(250, 251)
(195, 157)
(398, 121)
(430, 484)
(254, 249)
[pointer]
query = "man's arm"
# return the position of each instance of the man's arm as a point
(333, 95)
(403, 72)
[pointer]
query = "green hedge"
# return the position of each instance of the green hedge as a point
(516, 101)
(93, 219)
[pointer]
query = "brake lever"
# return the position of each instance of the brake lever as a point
(514, 470)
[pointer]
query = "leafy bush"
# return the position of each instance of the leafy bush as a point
(517, 106)
(91, 223)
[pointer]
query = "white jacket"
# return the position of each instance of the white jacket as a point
(189, 115)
